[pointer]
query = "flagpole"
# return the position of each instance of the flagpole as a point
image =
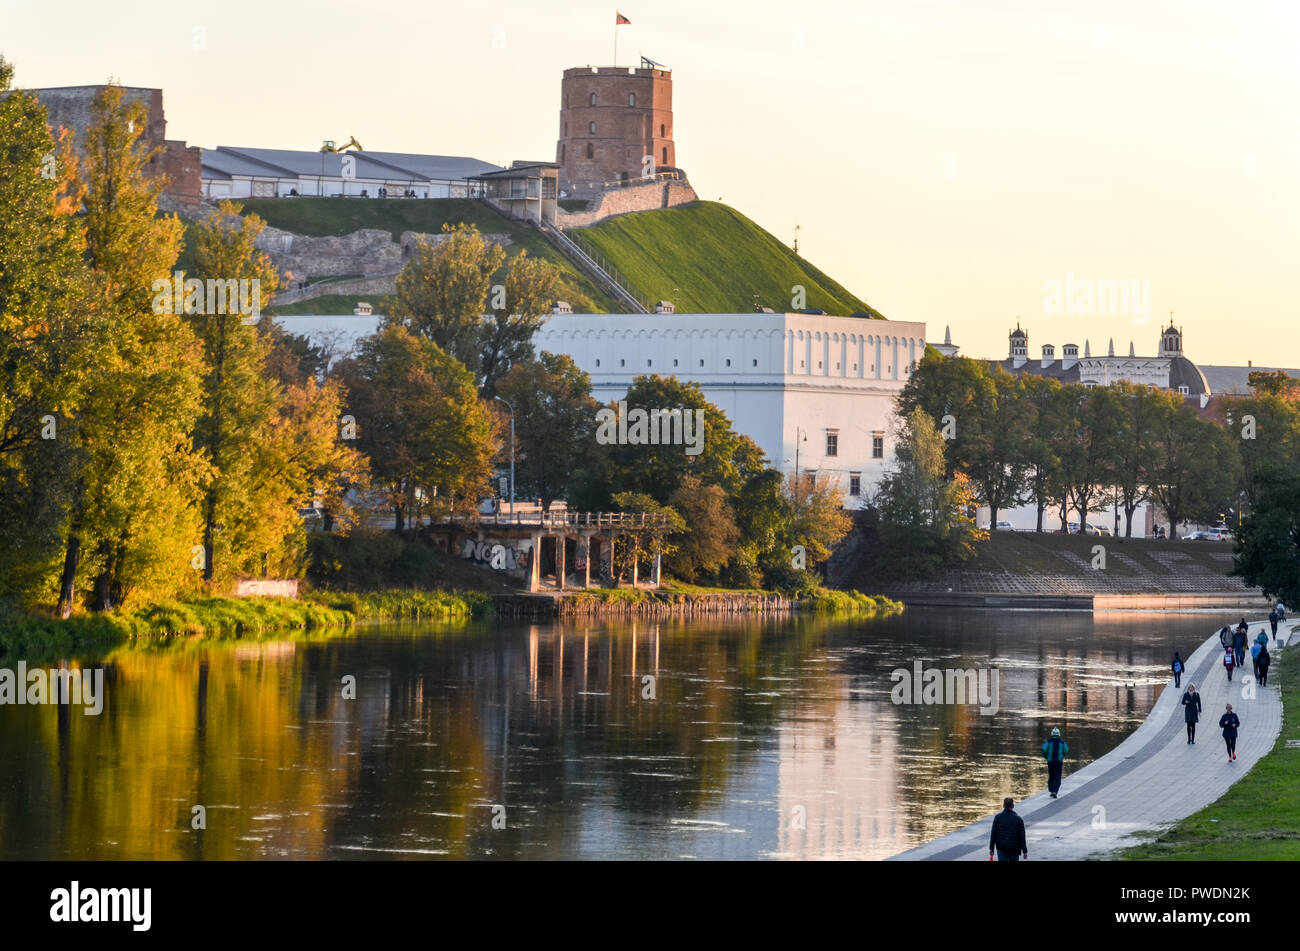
(616, 41)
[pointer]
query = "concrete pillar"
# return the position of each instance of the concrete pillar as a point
(659, 556)
(535, 564)
(584, 550)
(559, 561)
(634, 570)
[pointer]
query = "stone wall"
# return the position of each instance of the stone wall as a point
(369, 252)
(622, 200)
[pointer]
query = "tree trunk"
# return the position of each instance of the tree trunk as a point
(68, 579)
(209, 531)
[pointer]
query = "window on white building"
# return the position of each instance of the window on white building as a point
(649, 363)
(755, 363)
(728, 363)
(597, 361)
(855, 483)
(832, 442)
(622, 363)
(877, 445)
(701, 362)
(674, 362)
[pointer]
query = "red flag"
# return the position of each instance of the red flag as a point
(621, 19)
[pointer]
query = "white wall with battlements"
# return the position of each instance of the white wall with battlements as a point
(785, 380)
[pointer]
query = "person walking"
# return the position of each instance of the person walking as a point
(1239, 645)
(1273, 619)
(1191, 711)
(1008, 835)
(1262, 663)
(1281, 611)
(1229, 723)
(1054, 751)
(1255, 648)
(1225, 637)
(1229, 662)
(1261, 638)
(1243, 626)
(1177, 668)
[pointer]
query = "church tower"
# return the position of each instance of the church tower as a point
(1171, 341)
(1019, 346)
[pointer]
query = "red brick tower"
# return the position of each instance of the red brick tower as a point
(611, 118)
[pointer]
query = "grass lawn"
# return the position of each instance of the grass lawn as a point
(715, 259)
(1259, 817)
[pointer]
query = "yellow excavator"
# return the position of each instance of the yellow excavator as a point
(351, 143)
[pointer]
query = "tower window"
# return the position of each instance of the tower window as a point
(590, 150)
(561, 154)
(591, 100)
(665, 159)
(566, 130)
(591, 128)
(662, 135)
(631, 99)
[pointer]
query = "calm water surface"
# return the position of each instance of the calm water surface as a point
(765, 738)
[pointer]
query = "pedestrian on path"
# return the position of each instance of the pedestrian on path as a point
(1191, 711)
(1273, 619)
(1177, 667)
(1229, 662)
(1243, 626)
(1255, 648)
(1054, 751)
(1262, 663)
(1239, 646)
(1261, 638)
(1229, 723)
(1225, 637)
(1008, 835)
(1281, 611)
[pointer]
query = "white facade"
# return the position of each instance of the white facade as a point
(823, 384)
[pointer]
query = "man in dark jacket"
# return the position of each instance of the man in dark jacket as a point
(1273, 619)
(1008, 835)
(1262, 663)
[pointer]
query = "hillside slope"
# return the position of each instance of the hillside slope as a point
(710, 258)
(319, 217)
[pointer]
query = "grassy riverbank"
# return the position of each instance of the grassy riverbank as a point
(25, 634)
(1258, 818)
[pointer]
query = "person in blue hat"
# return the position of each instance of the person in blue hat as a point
(1054, 751)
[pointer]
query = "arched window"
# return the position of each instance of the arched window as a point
(591, 152)
(591, 100)
(665, 159)
(631, 99)
(591, 128)
(662, 135)
(561, 154)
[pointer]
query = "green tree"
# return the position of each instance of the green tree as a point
(1194, 465)
(419, 422)
(41, 331)
(926, 516)
(554, 414)
(443, 289)
(530, 286)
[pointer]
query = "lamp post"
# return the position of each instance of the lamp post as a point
(798, 437)
(512, 454)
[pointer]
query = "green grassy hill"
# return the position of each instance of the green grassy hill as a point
(710, 258)
(707, 257)
(319, 217)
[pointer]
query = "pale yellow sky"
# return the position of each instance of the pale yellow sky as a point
(945, 160)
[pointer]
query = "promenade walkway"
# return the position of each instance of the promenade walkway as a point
(1149, 781)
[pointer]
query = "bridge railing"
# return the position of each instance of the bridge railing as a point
(594, 520)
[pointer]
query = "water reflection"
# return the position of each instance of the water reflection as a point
(633, 739)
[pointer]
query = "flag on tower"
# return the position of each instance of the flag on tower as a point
(620, 19)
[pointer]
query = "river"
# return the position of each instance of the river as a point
(755, 738)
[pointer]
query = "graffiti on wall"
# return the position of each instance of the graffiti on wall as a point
(509, 555)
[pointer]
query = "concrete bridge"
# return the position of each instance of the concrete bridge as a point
(557, 550)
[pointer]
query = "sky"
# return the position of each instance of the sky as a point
(957, 163)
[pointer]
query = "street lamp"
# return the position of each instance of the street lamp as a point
(512, 454)
(798, 437)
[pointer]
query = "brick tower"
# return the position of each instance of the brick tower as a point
(611, 117)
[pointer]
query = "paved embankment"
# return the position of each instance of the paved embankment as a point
(1149, 781)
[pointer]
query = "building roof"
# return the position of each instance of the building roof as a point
(1236, 380)
(227, 161)
(1183, 372)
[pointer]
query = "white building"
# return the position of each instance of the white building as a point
(812, 390)
(237, 172)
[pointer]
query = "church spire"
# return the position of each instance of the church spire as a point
(1087, 349)
(1112, 347)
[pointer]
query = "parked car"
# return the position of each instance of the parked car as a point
(1099, 529)
(1001, 527)
(1199, 537)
